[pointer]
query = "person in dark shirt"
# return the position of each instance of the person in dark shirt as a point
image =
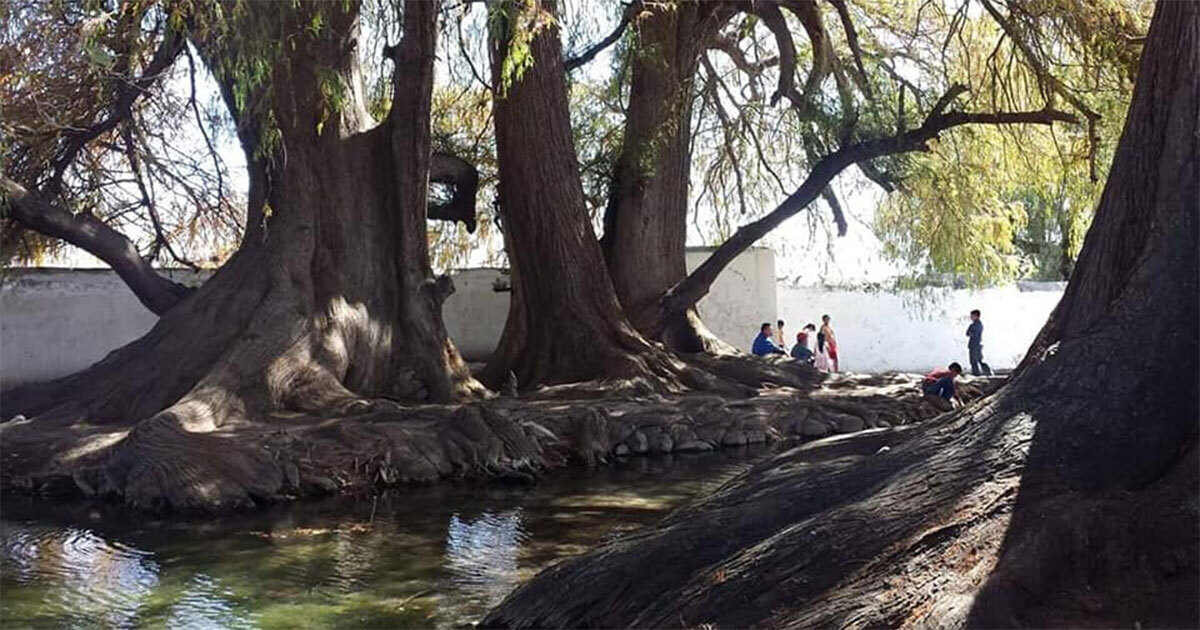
(763, 344)
(800, 351)
(975, 346)
(938, 387)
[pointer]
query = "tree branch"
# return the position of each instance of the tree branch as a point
(1050, 82)
(881, 178)
(84, 230)
(212, 150)
(852, 40)
(690, 290)
(74, 140)
(726, 130)
(773, 19)
(449, 169)
(598, 47)
(809, 15)
(728, 45)
(835, 206)
(822, 51)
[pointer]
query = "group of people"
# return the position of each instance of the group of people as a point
(938, 385)
(823, 356)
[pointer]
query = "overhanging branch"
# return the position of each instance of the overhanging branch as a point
(690, 290)
(729, 46)
(773, 19)
(85, 231)
(852, 39)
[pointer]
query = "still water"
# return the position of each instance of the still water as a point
(428, 557)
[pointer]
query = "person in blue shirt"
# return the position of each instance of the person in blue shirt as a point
(938, 387)
(975, 346)
(763, 344)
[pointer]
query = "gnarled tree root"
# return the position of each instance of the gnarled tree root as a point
(183, 460)
(901, 527)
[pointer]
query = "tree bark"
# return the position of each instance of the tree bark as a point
(328, 306)
(565, 323)
(645, 225)
(1069, 498)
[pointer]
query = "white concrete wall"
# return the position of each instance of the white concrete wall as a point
(918, 330)
(56, 321)
(53, 321)
(742, 298)
(476, 311)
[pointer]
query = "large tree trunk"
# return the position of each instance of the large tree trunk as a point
(328, 306)
(645, 225)
(1069, 498)
(565, 323)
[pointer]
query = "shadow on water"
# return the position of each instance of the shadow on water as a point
(434, 556)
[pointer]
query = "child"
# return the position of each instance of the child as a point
(800, 351)
(938, 387)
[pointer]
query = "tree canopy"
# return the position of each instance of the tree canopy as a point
(117, 118)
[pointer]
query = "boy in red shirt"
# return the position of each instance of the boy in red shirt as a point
(938, 387)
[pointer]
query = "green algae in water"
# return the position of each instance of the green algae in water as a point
(415, 558)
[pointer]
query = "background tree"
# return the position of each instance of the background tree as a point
(645, 222)
(565, 323)
(843, 101)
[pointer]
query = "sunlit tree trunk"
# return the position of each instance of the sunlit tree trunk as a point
(645, 225)
(565, 323)
(328, 306)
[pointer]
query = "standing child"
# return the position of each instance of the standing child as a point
(829, 340)
(975, 346)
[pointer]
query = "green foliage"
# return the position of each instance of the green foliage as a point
(953, 215)
(513, 25)
(990, 204)
(334, 93)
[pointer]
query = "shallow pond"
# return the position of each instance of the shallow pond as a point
(437, 556)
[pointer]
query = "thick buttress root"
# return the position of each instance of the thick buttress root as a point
(890, 528)
(219, 455)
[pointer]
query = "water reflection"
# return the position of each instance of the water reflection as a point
(205, 603)
(438, 556)
(481, 554)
